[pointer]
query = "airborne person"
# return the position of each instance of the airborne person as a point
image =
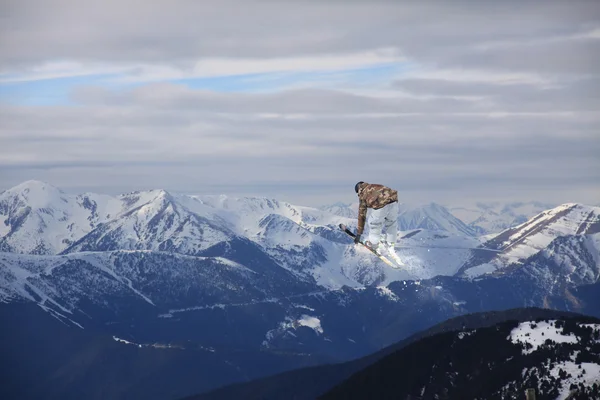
(384, 204)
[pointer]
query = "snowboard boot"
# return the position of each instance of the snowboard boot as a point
(379, 247)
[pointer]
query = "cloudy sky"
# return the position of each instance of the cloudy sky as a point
(451, 102)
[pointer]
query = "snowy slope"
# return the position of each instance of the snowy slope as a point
(304, 240)
(37, 218)
(520, 243)
(578, 257)
(428, 253)
(154, 220)
(495, 217)
(433, 217)
(158, 279)
(342, 209)
(570, 369)
(244, 214)
(568, 262)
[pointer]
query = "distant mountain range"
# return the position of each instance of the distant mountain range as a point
(478, 220)
(487, 218)
(432, 217)
(268, 280)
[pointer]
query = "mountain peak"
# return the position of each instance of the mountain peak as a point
(431, 216)
(37, 194)
(564, 206)
(33, 184)
(163, 194)
(435, 206)
(574, 215)
(145, 197)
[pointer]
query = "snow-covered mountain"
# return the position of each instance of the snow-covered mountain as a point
(37, 218)
(431, 216)
(568, 234)
(155, 220)
(150, 279)
(349, 210)
(488, 218)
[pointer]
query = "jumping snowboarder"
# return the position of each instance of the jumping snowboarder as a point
(384, 204)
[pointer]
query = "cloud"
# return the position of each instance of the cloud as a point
(569, 56)
(576, 94)
(183, 35)
(171, 136)
(454, 99)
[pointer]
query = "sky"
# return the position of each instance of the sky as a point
(452, 102)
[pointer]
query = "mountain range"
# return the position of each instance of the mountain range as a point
(236, 280)
(494, 217)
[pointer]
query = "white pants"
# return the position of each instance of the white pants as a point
(384, 217)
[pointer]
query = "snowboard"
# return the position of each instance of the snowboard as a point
(372, 250)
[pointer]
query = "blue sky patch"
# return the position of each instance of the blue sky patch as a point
(56, 91)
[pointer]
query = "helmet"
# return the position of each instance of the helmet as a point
(357, 185)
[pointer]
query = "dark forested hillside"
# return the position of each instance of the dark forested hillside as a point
(309, 383)
(555, 357)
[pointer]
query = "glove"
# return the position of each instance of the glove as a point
(357, 239)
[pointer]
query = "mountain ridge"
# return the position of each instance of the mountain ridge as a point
(487, 218)
(523, 241)
(302, 240)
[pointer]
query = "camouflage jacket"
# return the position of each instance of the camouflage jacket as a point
(372, 195)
